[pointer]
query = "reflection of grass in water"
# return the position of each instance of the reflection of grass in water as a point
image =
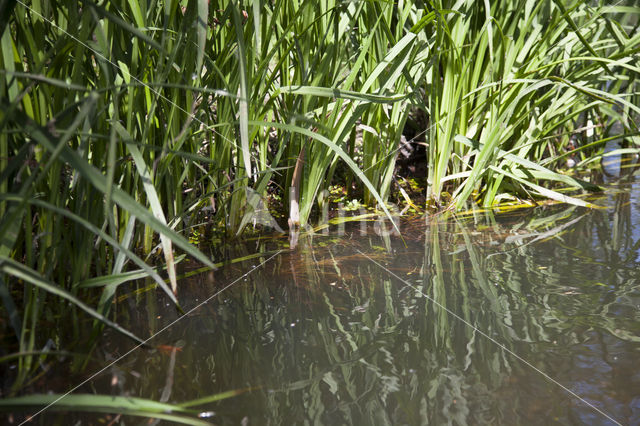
(353, 364)
(481, 272)
(368, 348)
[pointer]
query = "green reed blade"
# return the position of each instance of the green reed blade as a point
(244, 99)
(544, 191)
(102, 404)
(119, 196)
(98, 232)
(154, 202)
(337, 150)
(12, 267)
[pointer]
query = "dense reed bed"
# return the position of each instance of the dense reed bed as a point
(124, 124)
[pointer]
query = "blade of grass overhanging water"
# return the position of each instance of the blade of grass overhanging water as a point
(548, 193)
(543, 172)
(116, 279)
(102, 404)
(18, 270)
(213, 398)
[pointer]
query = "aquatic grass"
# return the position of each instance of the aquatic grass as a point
(338, 108)
(510, 76)
(55, 123)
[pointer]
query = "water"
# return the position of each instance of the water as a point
(327, 335)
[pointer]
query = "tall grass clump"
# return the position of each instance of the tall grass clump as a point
(509, 83)
(96, 105)
(122, 120)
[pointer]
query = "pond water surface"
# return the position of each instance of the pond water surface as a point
(530, 317)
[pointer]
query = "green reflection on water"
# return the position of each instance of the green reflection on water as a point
(321, 335)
